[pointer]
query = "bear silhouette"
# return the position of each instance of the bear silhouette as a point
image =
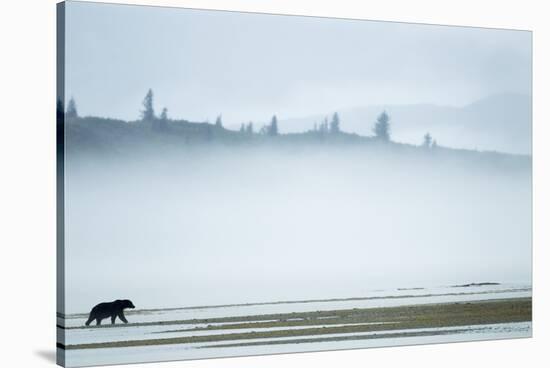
(113, 309)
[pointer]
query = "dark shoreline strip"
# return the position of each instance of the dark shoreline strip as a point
(80, 315)
(284, 317)
(281, 316)
(353, 299)
(342, 338)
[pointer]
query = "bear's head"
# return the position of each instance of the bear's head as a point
(126, 304)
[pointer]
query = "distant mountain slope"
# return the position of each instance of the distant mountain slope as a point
(496, 123)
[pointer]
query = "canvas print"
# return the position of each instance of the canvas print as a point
(234, 184)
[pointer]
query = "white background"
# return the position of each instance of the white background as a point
(27, 181)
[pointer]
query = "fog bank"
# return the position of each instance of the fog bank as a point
(219, 227)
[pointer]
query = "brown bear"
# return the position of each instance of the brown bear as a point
(113, 309)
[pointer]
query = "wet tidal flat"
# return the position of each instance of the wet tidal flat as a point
(393, 318)
(335, 322)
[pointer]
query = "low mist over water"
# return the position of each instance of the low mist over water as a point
(218, 225)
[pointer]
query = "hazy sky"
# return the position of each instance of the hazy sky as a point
(250, 66)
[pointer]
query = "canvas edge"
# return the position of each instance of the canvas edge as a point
(60, 182)
(60, 176)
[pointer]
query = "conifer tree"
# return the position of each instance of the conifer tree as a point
(250, 128)
(148, 112)
(427, 140)
(335, 124)
(163, 123)
(71, 109)
(273, 129)
(382, 127)
(219, 122)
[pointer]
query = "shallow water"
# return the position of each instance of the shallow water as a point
(195, 351)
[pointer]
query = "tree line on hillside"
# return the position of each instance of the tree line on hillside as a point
(160, 123)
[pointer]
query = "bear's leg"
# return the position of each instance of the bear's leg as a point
(113, 319)
(89, 320)
(98, 321)
(122, 318)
